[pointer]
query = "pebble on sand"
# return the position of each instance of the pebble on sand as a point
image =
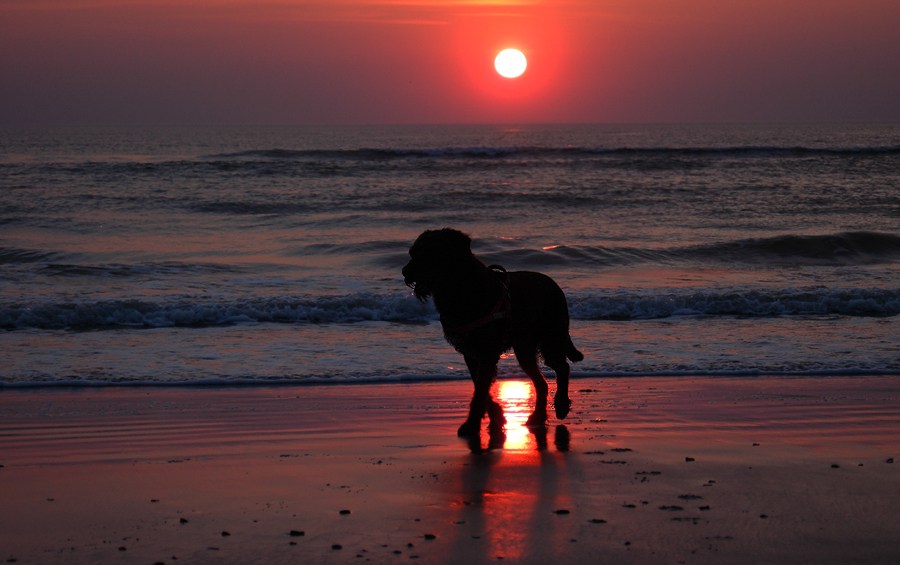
(336, 546)
(225, 534)
(561, 512)
(430, 536)
(297, 533)
(344, 512)
(182, 521)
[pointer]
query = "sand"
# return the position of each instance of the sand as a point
(645, 470)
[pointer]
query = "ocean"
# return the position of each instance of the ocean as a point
(260, 255)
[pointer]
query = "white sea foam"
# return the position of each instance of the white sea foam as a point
(403, 308)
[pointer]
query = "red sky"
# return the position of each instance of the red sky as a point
(431, 61)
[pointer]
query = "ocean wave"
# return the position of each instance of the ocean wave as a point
(404, 308)
(58, 263)
(819, 302)
(850, 248)
(356, 307)
(326, 163)
(14, 255)
(395, 248)
(840, 249)
(156, 269)
(253, 208)
(368, 154)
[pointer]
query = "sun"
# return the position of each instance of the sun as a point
(510, 63)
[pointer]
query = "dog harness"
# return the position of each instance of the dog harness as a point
(502, 310)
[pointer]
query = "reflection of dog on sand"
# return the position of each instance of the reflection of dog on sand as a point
(486, 311)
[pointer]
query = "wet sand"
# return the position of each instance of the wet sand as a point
(662, 470)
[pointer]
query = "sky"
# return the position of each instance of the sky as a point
(286, 62)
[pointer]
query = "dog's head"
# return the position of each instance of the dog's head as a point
(434, 255)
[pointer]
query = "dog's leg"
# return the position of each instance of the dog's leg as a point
(495, 413)
(484, 377)
(494, 410)
(561, 401)
(527, 357)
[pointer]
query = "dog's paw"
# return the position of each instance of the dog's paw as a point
(469, 429)
(536, 421)
(562, 406)
(495, 413)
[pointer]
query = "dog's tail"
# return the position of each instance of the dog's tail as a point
(572, 353)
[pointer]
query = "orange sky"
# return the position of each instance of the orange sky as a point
(431, 61)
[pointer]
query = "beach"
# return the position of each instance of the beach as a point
(770, 469)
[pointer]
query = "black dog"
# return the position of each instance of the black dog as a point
(486, 311)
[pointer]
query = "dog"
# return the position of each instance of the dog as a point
(486, 311)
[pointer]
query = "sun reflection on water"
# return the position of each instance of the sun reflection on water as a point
(509, 490)
(517, 399)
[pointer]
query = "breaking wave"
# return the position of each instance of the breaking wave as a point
(403, 308)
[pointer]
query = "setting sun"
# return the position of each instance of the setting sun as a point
(510, 63)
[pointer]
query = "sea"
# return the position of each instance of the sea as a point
(141, 256)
